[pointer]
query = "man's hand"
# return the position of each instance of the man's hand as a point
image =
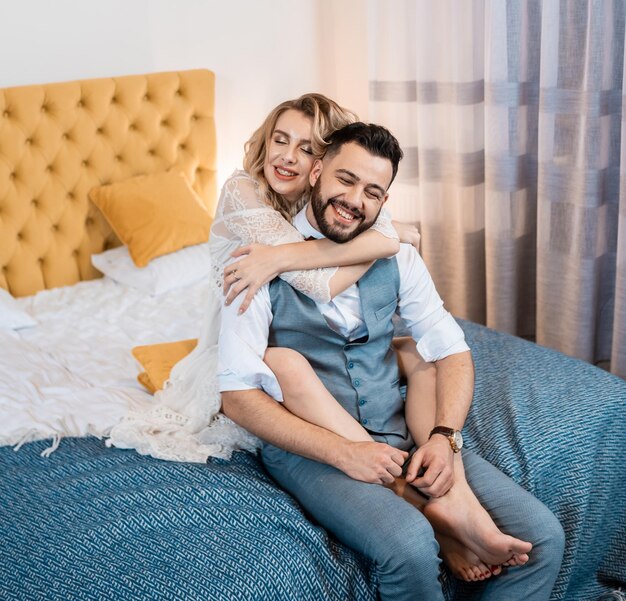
(437, 459)
(373, 462)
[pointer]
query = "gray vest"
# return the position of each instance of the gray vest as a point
(363, 374)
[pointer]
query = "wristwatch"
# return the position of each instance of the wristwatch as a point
(454, 436)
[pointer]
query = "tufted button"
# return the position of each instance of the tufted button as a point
(118, 158)
(75, 252)
(70, 194)
(40, 260)
(132, 127)
(84, 163)
(98, 130)
(48, 169)
(89, 221)
(55, 227)
(114, 100)
(28, 141)
(164, 123)
(34, 202)
(178, 92)
(80, 104)
(194, 117)
(182, 147)
(19, 235)
(146, 97)
(6, 114)
(151, 152)
(12, 175)
(65, 137)
(44, 108)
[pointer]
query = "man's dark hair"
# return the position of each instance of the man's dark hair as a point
(376, 139)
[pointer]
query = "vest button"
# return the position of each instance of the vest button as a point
(357, 382)
(362, 402)
(364, 420)
(350, 365)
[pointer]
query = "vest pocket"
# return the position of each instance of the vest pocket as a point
(387, 311)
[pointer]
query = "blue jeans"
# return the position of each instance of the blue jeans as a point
(372, 520)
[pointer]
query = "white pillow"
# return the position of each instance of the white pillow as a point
(167, 272)
(11, 316)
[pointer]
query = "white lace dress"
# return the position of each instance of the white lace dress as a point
(185, 423)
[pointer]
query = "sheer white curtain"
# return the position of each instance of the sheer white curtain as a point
(510, 113)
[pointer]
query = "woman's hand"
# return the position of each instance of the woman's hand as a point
(408, 233)
(260, 264)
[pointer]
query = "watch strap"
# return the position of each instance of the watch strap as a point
(442, 430)
(450, 434)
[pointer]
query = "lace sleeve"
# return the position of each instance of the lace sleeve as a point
(244, 216)
(384, 226)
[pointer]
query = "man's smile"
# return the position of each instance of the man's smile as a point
(343, 213)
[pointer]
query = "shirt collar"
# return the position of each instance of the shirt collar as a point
(302, 224)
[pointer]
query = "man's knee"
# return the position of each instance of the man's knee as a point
(411, 551)
(547, 535)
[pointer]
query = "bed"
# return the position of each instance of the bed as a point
(81, 520)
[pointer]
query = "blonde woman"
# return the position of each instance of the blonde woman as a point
(255, 207)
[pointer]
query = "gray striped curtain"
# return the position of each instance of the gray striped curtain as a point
(511, 116)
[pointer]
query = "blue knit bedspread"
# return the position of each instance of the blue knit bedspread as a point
(91, 522)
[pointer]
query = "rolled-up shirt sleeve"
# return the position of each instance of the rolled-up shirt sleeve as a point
(242, 345)
(435, 331)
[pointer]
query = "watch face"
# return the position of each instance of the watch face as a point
(458, 440)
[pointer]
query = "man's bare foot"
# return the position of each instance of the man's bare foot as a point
(464, 564)
(459, 515)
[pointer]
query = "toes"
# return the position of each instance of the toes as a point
(520, 547)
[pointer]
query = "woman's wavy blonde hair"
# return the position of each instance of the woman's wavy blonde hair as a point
(327, 117)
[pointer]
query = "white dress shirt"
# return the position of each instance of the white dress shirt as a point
(243, 338)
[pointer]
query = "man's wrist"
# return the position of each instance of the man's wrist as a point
(338, 453)
(454, 437)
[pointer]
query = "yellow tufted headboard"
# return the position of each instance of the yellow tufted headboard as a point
(58, 141)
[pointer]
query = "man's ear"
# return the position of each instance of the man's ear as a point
(385, 199)
(316, 171)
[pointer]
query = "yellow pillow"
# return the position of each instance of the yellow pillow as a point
(154, 214)
(158, 360)
(144, 380)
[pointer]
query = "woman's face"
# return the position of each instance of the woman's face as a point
(289, 158)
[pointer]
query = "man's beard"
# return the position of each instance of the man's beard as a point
(337, 233)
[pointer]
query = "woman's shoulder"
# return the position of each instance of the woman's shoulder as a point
(239, 176)
(239, 193)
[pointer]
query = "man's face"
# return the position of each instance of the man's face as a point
(349, 190)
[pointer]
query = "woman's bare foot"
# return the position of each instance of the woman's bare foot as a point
(459, 515)
(464, 564)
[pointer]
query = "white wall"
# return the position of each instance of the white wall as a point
(262, 51)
